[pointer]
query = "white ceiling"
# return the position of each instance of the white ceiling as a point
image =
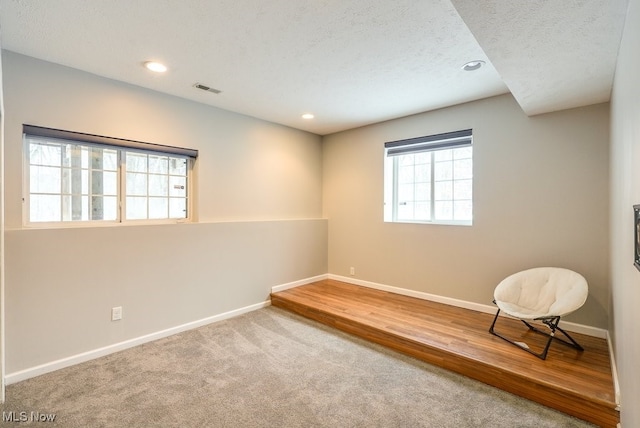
(350, 62)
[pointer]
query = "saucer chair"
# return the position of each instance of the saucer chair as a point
(542, 294)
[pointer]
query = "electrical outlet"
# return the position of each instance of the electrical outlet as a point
(352, 271)
(116, 313)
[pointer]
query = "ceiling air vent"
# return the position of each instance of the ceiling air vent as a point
(206, 88)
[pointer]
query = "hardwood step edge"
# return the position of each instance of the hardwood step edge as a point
(591, 409)
(609, 404)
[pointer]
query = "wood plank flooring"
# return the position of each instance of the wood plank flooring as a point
(576, 383)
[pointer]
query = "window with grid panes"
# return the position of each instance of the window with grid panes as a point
(73, 180)
(430, 179)
(156, 186)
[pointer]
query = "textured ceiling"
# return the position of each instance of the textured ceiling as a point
(552, 55)
(350, 62)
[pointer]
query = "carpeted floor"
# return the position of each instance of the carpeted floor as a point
(267, 368)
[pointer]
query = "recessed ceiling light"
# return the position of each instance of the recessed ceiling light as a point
(308, 116)
(155, 66)
(473, 65)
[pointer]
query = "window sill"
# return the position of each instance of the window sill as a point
(98, 224)
(435, 223)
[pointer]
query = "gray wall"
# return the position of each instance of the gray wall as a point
(541, 198)
(625, 192)
(258, 191)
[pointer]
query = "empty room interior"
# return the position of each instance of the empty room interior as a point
(426, 150)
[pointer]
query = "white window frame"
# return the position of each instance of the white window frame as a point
(427, 146)
(122, 147)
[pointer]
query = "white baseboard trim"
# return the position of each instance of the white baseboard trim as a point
(298, 283)
(614, 372)
(21, 375)
(569, 326)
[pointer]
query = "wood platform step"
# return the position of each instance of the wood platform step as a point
(457, 339)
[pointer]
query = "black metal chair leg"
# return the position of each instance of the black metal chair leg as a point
(521, 345)
(552, 323)
(573, 342)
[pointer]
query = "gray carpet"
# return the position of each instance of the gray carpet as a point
(268, 368)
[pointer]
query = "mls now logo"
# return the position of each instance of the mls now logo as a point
(28, 417)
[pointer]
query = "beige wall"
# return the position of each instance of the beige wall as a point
(540, 199)
(625, 192)
(540, 192)
(2, 322)
(259, 204)
(247, 169)
(62, 283)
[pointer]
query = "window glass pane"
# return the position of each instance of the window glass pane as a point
(434, 185)
(406, 160)
(77, 208)
(71, 155)
(405, 211)
(85, 182)
(74, 207)
(423, 173)
(178, 186)
(97, 182)
(109, 183)
(462, 189)
(136, 162)
(443, 155)
(443, 171)
(462, 168)
(463, 153)
(85, 207)
(110, 208)
(177, 166)
(96, 158)
(158, 208)
(462, 210)
(136, 208)
(406, 174)
(136, 184)
(422, 192)
(405, 192)
(84, 157)
(71, 181)
(422, 158)
(158, 185)
(443, 191)
(45, 154)
(158, 164)
(423, 211)
(44, 179)
(444, 210)
(44, 208)
(110, 160)
(177, 208)
(97, 208)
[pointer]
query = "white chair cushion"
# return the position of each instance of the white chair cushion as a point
(541, 292)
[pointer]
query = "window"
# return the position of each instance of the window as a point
(430, 179)
(73, 177)
(156, 186)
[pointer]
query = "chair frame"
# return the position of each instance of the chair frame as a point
(551, 322)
